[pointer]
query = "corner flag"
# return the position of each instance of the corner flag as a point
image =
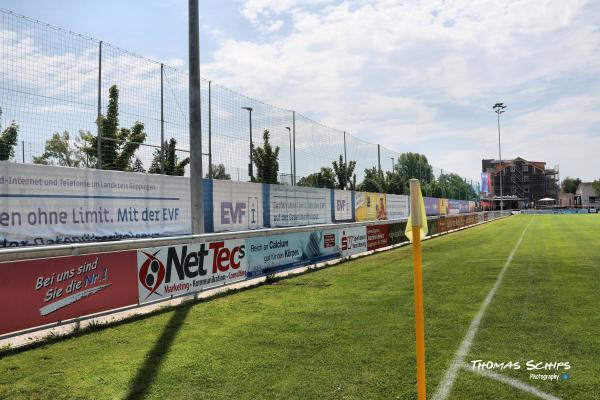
(415, 229)
(417, 211)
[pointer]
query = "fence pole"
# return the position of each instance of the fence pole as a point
(210, 164)
(162, 121)
(99, 135)
(379, 158)
(345, 159)
(196, 193)
(23, 145)
(294, 142)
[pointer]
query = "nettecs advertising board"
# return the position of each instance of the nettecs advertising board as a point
(164, 272)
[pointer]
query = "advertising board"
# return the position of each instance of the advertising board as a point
(40, 292)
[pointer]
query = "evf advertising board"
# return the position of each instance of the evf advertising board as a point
(40, 292)
(353, 240)
(237, 206)
(397, 206)
(42, 205)
(342, 206)
(369, 206)
(295, 205)
(168, 271)
(270, 254)
(377, 237)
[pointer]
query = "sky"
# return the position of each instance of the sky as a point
(418, 76)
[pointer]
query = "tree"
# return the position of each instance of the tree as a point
(374, 181)
(172, 164)
(58, 151)
(343, 172)
(452, 186)
(266, 160)
(325, 178)
(596, 186)
(8, 140)
(218, 172)
(138, 166)
(409, 165)
(118, 144)
(569, 185)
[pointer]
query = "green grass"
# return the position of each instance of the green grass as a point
(347, 332)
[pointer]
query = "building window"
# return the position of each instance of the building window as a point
(512, 168)
(525, 168)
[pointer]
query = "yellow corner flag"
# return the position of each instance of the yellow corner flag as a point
(417, 211)
(415, 229)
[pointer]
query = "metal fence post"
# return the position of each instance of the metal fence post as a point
(23, 145)
(294, 142)
(99, 134)
(379, 158)
(210, 164)
(345, 159)
(196, 192)
(162, 121)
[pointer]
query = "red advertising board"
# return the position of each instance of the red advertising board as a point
(377, 237)
(40, 292)
(442, 224)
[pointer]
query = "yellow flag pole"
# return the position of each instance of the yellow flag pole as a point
(416, 209)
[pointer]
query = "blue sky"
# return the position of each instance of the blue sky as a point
(412, 75)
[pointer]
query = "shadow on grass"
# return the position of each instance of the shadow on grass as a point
(142, 381)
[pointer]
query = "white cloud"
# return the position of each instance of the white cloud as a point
(389, 70)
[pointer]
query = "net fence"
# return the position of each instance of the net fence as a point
(58, 87)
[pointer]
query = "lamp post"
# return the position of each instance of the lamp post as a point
(392, 158)
(499, 109)
(250, 168)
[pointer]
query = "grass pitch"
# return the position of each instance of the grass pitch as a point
(347, 332)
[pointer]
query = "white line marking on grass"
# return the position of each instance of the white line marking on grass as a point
(445, 386)
(512, 382)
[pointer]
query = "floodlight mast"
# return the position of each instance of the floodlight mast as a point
(499, 109)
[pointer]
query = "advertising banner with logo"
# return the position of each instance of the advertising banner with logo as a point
(377, 237)
(432, 227)
(168, 271)
(40, 292)
(396, 233)
(41, 204)
(369, 206)
(443, 204)
(453, 207)
(442, 225)
(342, 205)
(296, 205)
(353, 240)
(464, 206)
(472, 206)
(237, 206)
(397, 206)
(431, 205)
(270, 254)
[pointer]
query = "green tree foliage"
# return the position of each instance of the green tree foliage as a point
(325, 178)
(118, 144)
(374, 181)
(596, 186)
(138, 166)
(569, 185)
(267, 161)
(173, 166)
(59, 151)
(343, 173)
(452, 186)
(218, 172)
(8, 140)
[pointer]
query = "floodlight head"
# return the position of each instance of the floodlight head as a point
(288, 128)
(247, 108)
